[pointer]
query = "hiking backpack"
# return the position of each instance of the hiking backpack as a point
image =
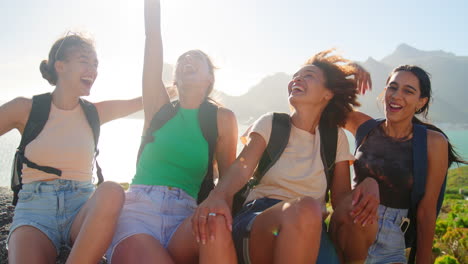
(207, 118)
(420, 163)
(37, 119)
(279, 138)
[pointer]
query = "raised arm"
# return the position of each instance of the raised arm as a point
(426, 212)
(14, 114)
(154, 92)
(114, 109)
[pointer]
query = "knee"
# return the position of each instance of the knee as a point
(304, 213)
(110, 195)
(219, 228)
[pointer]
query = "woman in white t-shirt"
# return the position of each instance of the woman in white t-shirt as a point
(282, 219)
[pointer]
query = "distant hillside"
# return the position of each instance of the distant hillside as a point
(449, 89)
(457, 178)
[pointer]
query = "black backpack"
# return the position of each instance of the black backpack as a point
(419, 143)
(280, 131)
(207, 117)
(37, 119)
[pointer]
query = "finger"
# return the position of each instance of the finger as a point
(202, 219)
(228, 217)
(194, 221)
(356, 196)
(373, 205)
(212, 225)
(362, 213)
(359, 207)
(366, 215)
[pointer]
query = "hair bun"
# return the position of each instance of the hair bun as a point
(47, 73)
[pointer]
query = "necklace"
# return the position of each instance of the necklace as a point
(399, 139)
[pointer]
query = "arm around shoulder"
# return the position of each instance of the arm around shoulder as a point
(114, 109)
(15, 114)
(354, 120)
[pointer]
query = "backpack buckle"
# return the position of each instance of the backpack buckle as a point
(405, 222)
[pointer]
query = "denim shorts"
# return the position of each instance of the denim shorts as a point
(243, 222)
(154, 210)
(389, 245)
(51, 207)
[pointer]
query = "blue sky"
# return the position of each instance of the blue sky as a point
(247, 39)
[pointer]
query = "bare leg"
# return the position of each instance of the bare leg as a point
(352, 241)
(288, 232)
(29, 245)
(141, 248)
(93, 228)
(184, 248)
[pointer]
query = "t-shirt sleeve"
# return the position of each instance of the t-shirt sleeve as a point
(262, 127)
(342, 148)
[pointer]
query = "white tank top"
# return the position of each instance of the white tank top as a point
(65, 143)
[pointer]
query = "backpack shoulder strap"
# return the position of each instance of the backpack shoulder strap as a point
(365, 128)
(166, 113)
(37, 118)
(420, 163)
(208, 120)
(279, 138)
(94, 122)
(93, 119)
(328, 144)
(419, 143)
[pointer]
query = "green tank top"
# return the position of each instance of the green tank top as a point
(178, 156)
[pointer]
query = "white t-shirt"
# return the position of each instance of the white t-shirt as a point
(299, 171)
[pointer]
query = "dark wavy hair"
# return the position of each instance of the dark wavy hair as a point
(340, 79)
(60, 52)
(426, 92)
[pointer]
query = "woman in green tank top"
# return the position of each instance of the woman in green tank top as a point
(155, 225)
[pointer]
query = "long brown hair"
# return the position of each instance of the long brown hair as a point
(426, 92)
(340, 80)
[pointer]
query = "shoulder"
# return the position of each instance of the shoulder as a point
(20, 106)
(226, 120)
(21, 102)
(225, 114)
(16, 113)
(436, 140)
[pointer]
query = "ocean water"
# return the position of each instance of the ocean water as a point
(119, 143)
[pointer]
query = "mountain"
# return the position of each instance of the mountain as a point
(448, 73)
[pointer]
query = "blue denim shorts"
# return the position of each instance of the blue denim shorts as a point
(51, 207)
(154, 210)
(389, 245)
(243, 222)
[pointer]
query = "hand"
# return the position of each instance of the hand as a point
(213, 205)
(363, 79)
(365, 202)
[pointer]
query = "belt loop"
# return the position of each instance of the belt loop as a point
(38, 185)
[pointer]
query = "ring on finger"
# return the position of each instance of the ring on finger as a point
(212, 214)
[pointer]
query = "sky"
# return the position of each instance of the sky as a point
(247, 39)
